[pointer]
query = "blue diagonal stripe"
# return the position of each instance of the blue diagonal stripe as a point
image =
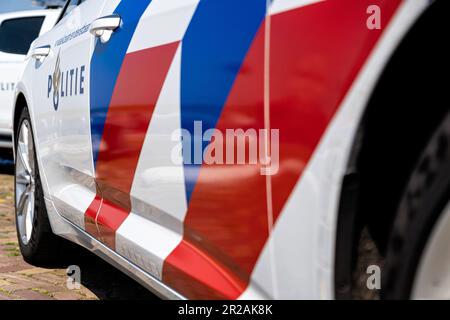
(214, 47)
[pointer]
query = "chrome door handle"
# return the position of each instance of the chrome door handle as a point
(104, 27)
(40, 53)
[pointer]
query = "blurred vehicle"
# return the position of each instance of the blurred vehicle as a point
(363, 122)
(49, 3)
(17, 32)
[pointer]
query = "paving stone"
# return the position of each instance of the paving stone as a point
(4, 283)
(88, 294)
(9, 268)
(32, 295)
(17, 287)
(15, 278)
(67, 295)
(9, 241)
(51, 288)
(33, 271)
(51, 278)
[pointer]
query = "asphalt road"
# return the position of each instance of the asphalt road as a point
(19, 280)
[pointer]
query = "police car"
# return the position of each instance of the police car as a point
(17, 31)
(122, 123)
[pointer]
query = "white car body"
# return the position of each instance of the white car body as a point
(10, 66)
(295, 261)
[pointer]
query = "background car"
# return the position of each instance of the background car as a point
(17, 31)
(363, 145)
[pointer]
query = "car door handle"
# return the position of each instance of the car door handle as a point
(40, 53)
(104, 27)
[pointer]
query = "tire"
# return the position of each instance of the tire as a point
(425, 197)
(40, 246)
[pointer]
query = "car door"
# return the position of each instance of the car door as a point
(17, 31)
(61, 96)
(127, 74)
(173, 65)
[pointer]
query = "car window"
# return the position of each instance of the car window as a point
(69, 6)
(16, 35)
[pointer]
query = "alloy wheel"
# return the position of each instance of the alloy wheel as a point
(25, 182)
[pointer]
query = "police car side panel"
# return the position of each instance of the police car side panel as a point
(195, 232)
(222, 238)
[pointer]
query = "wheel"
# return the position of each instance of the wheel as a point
(38, 245)
(417, 263)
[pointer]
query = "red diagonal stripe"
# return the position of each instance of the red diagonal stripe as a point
(134, 99)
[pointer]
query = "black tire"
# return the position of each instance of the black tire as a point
(43, 248)
(425, 197)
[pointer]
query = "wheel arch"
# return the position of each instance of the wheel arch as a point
(375, 170)
(19, 104)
